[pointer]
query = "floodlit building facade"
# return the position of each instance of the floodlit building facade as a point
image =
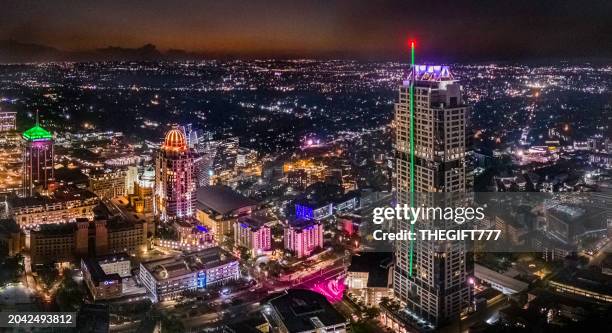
(103, 276)
(165, 279)
(108, 185)
(303, 237)
(8, 121)
(37, 160)
(438, 290)
(64, 206)
(253, 233)
(52, 243)
(174, 178)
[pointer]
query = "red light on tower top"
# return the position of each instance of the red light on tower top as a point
(411, 43)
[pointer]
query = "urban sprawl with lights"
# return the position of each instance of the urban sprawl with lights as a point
(237, 196)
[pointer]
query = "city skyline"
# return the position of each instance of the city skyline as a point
(289, 167)
(218, 185)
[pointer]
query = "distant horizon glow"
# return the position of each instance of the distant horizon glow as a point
(357, 29)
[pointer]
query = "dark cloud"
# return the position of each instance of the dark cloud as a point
(376, 29)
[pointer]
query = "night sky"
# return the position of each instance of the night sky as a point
(487, 29)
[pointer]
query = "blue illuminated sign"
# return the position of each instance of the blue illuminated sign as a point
(304, 212)
(201, 279)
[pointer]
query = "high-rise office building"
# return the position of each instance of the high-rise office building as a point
(8, 121)
(174, 178)
(203, 168)
(143, 199)
(37, 160)
(437, 290)
(11, 155)
(131, 178)
(108, 184)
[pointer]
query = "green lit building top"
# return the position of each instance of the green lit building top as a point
(37, 133)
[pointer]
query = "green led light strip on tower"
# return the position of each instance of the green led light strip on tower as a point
(411, 148)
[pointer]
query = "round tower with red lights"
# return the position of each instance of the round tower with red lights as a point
(175, 186)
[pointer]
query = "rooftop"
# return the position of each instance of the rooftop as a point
(568, 211)
(175, 140)
(548, 299)
(377, 265)
(301, 223)
(171, 267)
(304, 310)
(61, 195)
(253, 221)
(114, 257)
(320, 194)
(510, 284)
(97, 273)
(248, 325)
(221, 199)
(434, 73)
(55, 229)
(37, 133)
(586, 279)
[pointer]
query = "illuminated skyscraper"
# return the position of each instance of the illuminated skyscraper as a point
(11, 155)
(37, 159)
(174, 178)
(303, 237)
(438, 289)
(8, 121)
